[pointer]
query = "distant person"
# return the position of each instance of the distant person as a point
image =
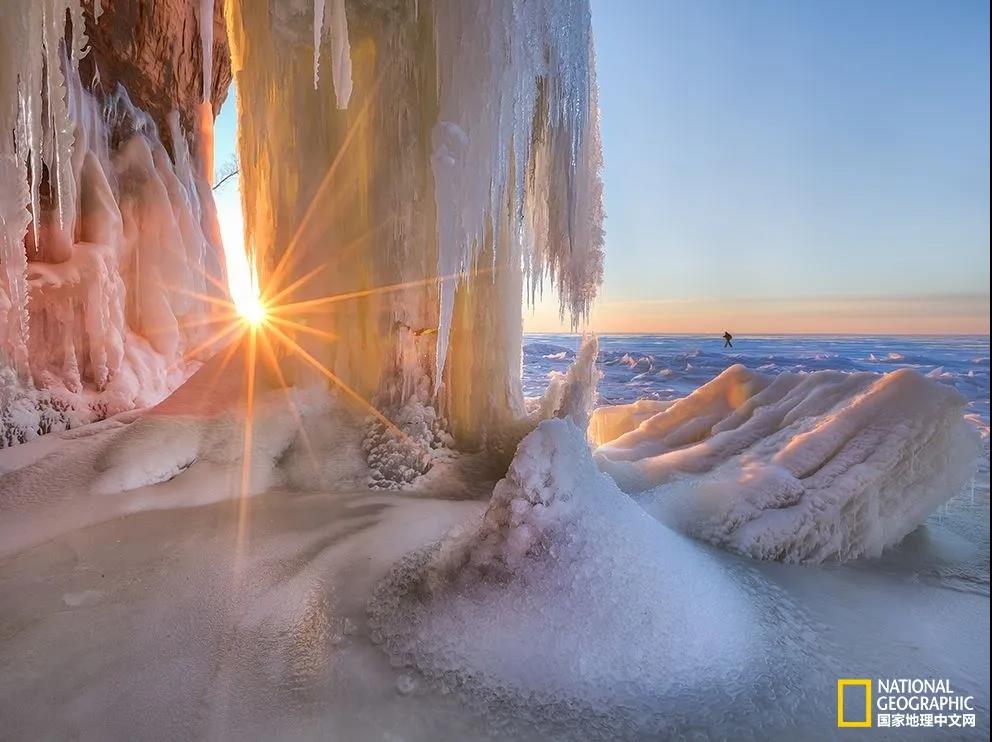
(727, 337)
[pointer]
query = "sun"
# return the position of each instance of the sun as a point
(243, 287)
(252, 310)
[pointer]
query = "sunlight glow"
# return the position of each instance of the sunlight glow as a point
(242, 283)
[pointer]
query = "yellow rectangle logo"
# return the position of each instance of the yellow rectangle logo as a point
(865, 720)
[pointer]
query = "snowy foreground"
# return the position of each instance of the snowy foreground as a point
(144, 598)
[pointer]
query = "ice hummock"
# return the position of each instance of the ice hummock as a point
(563, 559)
(798, 467)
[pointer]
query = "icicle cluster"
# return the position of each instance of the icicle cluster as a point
(103, 240)
(35, 138)
(516, 149)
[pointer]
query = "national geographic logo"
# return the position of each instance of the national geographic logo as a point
(852, 712)
(903, 702)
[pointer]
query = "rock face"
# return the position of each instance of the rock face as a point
(154, 50)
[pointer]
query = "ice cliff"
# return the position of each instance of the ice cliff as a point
(109, 245)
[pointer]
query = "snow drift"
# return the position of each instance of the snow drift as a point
(205, 443)
(799, 467)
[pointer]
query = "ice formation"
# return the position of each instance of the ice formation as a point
(104, 239)
(563, 559)
(798, 467)
(527, 166)
(465, 166)
(557, 543)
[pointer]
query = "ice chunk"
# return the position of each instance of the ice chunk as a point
(611, 421)
(802, 467)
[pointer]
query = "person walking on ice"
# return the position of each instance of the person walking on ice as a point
(727, 337)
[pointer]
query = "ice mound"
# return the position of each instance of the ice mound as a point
(565, 592)
(800, 467)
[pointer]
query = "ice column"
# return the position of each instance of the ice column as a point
(468, 160)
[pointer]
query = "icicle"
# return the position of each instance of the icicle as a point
(34, 138)
(337, 23)
(517, 123)
(112, 231)
(318, 33)
(340, 53)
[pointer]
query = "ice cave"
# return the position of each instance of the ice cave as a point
(298, 487)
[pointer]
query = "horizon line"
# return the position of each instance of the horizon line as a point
(766, 334)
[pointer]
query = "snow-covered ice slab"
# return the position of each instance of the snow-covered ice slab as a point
(799, 467)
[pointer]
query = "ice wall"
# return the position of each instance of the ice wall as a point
(102, 242)
(465, 167)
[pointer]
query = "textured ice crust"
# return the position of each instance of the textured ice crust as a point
(799, 467)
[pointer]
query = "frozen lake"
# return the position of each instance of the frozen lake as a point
(670, 366)
(205, 622)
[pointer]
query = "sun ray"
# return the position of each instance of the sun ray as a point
(323, 334)
(270, 353)
(339, 255)
(308, 304)
(217, 337)
(295, 347)
(275, 277)
(295, 285)
(215, 281)
(216, 301)
(232, 348)
(209, 320)
(248, 432)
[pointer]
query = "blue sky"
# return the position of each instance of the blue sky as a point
(794, 151)
(790, 166)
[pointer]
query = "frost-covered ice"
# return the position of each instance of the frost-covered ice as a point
(562, 559)
(566, 606)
